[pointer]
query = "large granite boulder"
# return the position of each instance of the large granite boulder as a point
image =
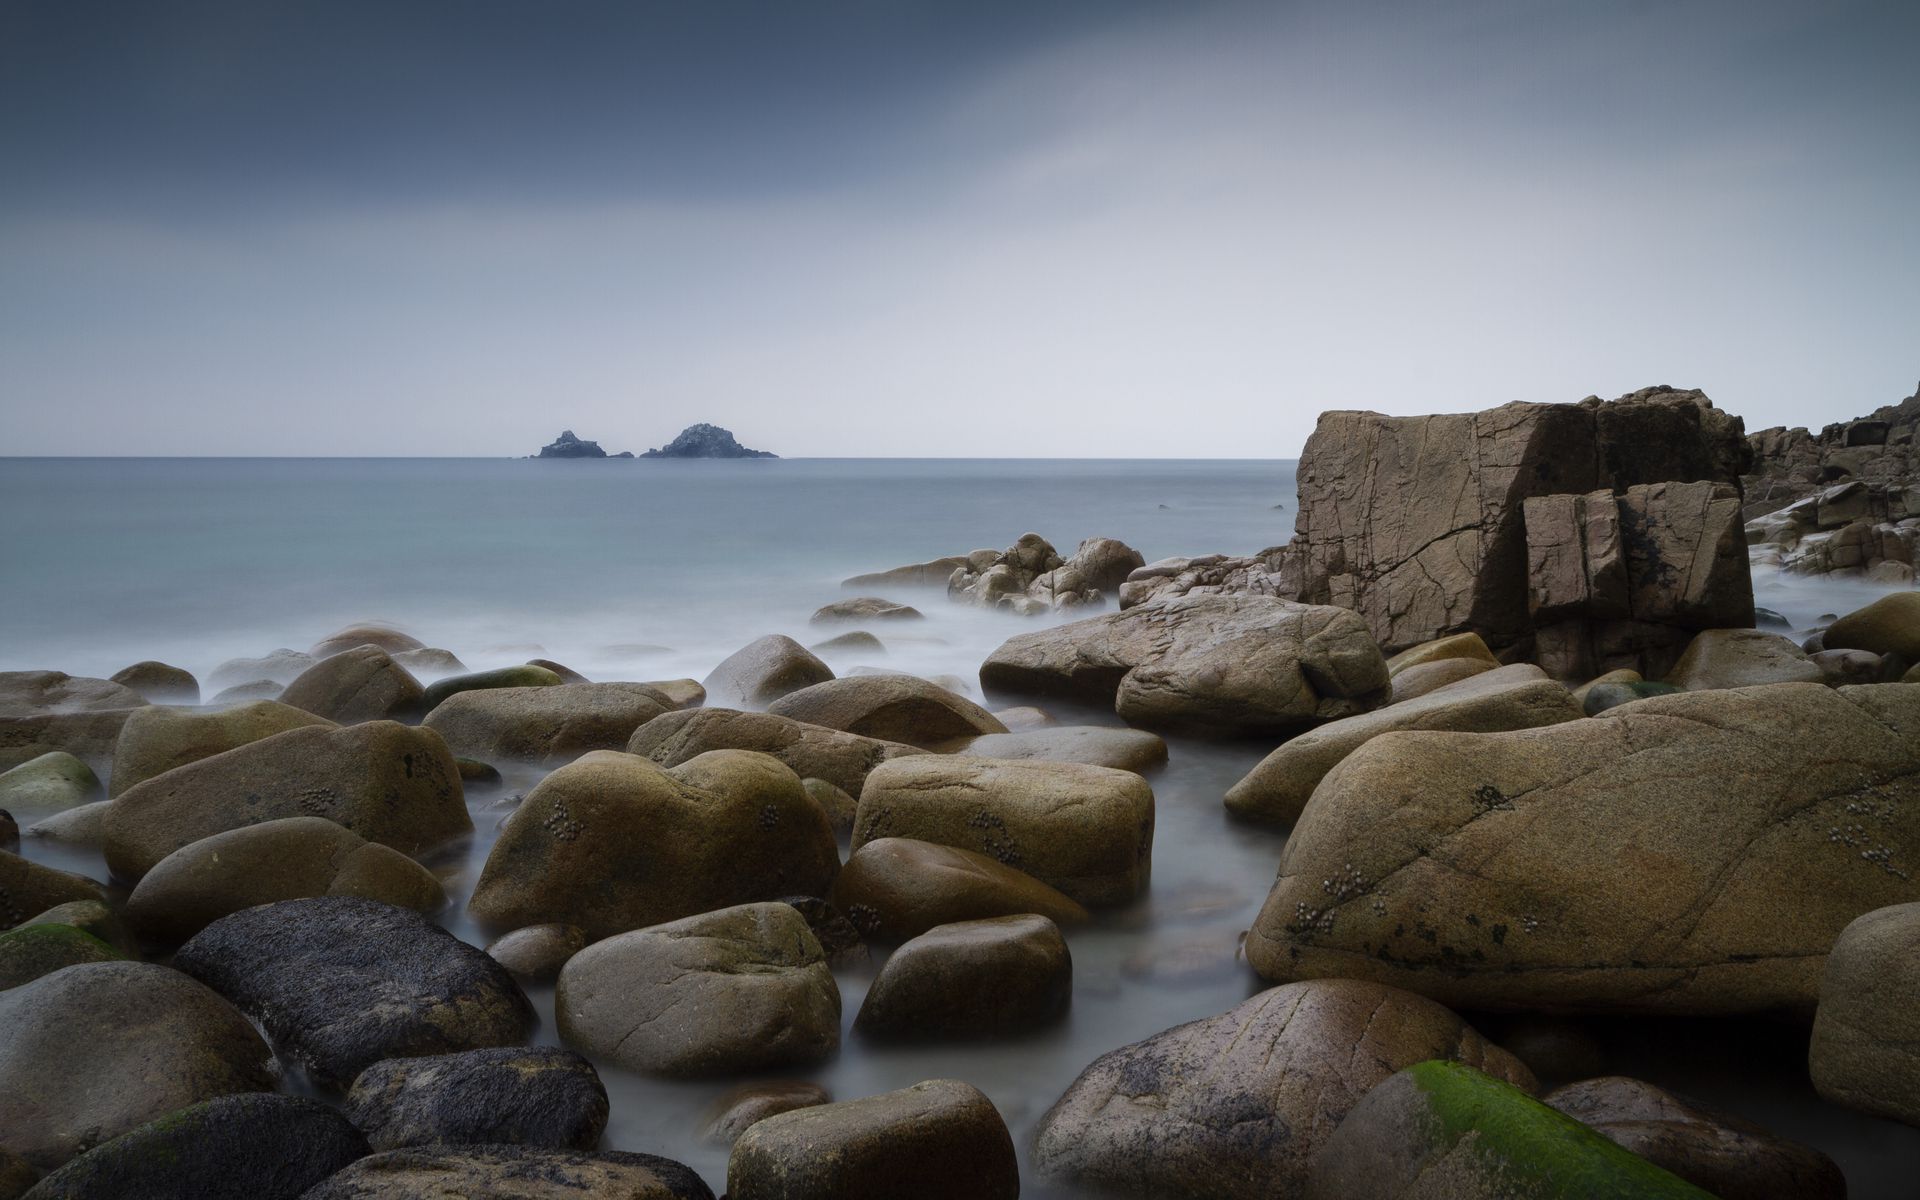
(988, 978)
(282, 666)
(1516, 697)
(896, 888)
(546, 724)
(938, 1140)
(1890, 625)
(1087, 831)
(519, 1172)
(340, 983)
(743, 988)
(1444, 1131)
(612, 842)
(253, 1146)
(1220, 665)
(1238, 1106)
(158, 738)
(160, 683)
(507, 1095)
(92, 1051)
(1865, 1052)
(764, 670)
(811, 751)
(29, 951)
(1691, 853)
(389, 783)
(889, 708)
(44, 711)
(735, 1110)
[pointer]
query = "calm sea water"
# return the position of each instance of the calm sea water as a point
(646, 570)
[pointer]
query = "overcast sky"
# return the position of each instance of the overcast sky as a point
(899, 228)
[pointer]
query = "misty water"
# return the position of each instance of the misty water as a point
(657, 570)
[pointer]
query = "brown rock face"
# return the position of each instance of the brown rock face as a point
(898, 888)
(1865, 1034)
(1688, 853)
(1235, 1107)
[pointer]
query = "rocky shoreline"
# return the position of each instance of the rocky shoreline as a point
(1538, 766)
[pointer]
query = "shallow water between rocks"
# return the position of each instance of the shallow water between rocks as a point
(652, 570)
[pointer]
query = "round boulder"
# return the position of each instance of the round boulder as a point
(730, 1115)
(765, 670)
(157, 739)
(990, 978)
(29, 951)
(537, 952)
(520, 1172)
(1731, 658)
(1133, 750)
(361, 684)
(53, 782)
(160, 683)
(512, 1095)
(899, 888)
(546, 724)
(367, 633)
(892, 708)
(27, 888)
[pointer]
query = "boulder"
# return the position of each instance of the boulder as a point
(898, 888)
(839, 807)
(1025, 718)
(1724, 1155)
(729, 1116)
(1087, 831)
(743, 988)
(9, 831)
(1444, 1131)
(520, 1172)
(1865, 1052)
(854, 641)
(92, 1051)
(339, 983)
(361, 684)
(367, 633)
(29, 951)
(85, 825)
(938, 1140)
(1458, 647)
(1731, 658)
(890, 708)
(430, 662)
(546, 724)
(288, 859)
(1603, 696)
(988, 978)
(241, 693)
(1416, 681)
(1239, 1105)
(811, 751)
(525, 675)
(612, 843)
(157, 739)
(54, 782)
(1624, 675)
(1694, 853)
(1841, 667)
(1133, 750)
(1890, 625)
(762, 671)
(89, 916)
(160, 683)
(1516, 697)
(255, 1146)
(1222, 665)
(387, 782)
(283, 666)
(43, 711)
(537, 952)
(27, 888)
(862, 609)
(510, 1095)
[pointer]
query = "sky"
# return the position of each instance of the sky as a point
(1073, 229)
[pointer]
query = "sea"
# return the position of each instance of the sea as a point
(647, 569)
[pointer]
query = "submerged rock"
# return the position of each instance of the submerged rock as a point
(155, 740)
(282, 666)
(514, 1095)
(537, 952)
(53, 782)
(525, 675)
(986, 978)
(360, 684)
(160, 683)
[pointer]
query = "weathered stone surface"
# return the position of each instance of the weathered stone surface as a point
(387, 782)
(839, 807)
(287, 859)
(90, 916)
(1030, 576)
(852, 642)
(242, 693)
(1603, 696)
(862, 609)
(1632, 862)
(762, 671)
(29, 887)
(430, 662)
(85, 825)
(1443, 1131)
(546, 724)
(255, 1146)
(890, 708)
(612, 843)
(1458, 647)
(1096, 745)
(30, 951)
(1024, 718)
(1839, 668)
(340, 983)
(92, 1051)
(1876, 451)
(898, 888)
(731, 1114)
(361, 684)
(986, 978)
(512, 1095)
(537, 952)
(1729, 1157)
(283, 666)
(743, 988)
(938, 1140)
(1087, 831)
(43, 711)
(376, 872)
(1515, 697)
(522, 1172)
(567, 674)
(1890, 625)
(525, 675)
(1223, 665)
(1731, 658)
(1413, 682)
(810, 751)
(160, 683)
(157, 739)
(29, 693)
(53, 782)
(1865, 1052)
(681, 693)
(1240, 1104)
(367, 633)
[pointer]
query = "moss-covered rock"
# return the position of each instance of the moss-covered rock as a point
(1890, 625)
(92, 916)
(53, 782)
(30, 951)
(361, 684)
(891, 708)
(159, 682)
(517, 1095)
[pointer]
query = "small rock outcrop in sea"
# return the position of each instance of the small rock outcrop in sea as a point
(705, 441)
(1858, 529)
(569, 446)
(1027, 577)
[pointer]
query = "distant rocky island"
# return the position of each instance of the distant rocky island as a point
(706, 441)
(569, 446)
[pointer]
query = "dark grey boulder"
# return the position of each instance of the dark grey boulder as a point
(519, 1172)
(523, 1096)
